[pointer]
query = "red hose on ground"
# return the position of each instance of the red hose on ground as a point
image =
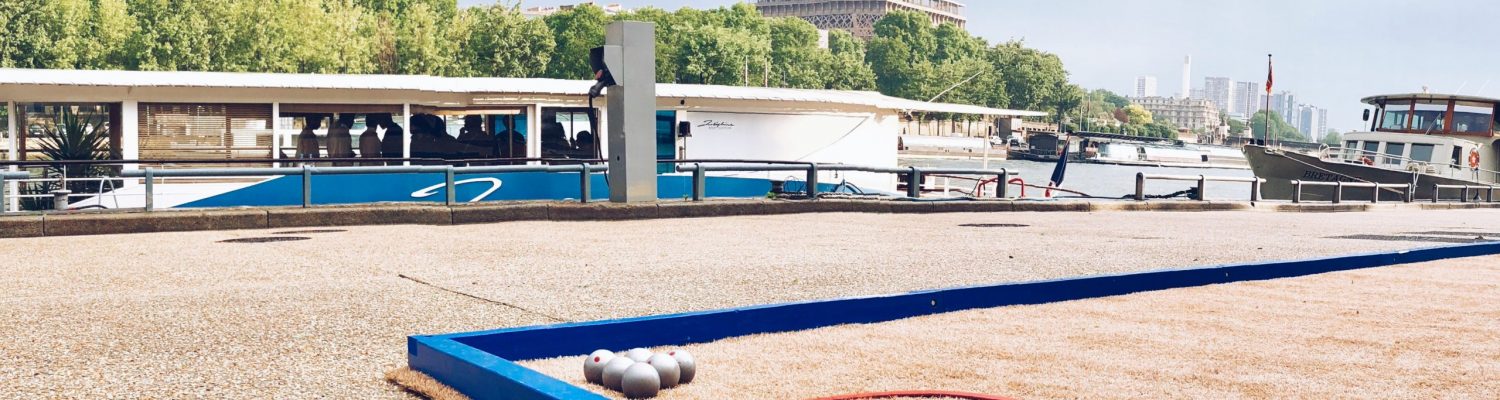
(915, 394)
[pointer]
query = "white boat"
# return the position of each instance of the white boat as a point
(166, 119)
(1417, 139)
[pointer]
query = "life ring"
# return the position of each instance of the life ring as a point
(1367, 160)
(1474, 159)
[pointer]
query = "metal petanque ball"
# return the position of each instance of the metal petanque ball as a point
(638, 354)
(667, 368)
(593, 366)
(641, 381)
(614, 371)
(685, 364)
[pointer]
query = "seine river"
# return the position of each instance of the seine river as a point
(1104, 180)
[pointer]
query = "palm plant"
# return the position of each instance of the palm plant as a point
(70, 137)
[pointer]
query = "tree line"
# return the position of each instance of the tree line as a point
(735, 45)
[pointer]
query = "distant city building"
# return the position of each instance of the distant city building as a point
(1145, 86)
(538, 12)
(1284, 104)
(1185, 113)
(1220, 91)
(859, 16)
(1187, 78)
(1311, 122)
(1247, 99)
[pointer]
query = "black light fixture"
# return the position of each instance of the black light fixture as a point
(684, 129)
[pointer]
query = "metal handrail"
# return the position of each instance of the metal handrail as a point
(4, 175)
(307, 172)
(1437, 191)
(913, 174)
(1408, 193)
(1142, 177)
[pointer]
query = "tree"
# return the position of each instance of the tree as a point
(1236, 126)
(719, 55)
(847, 69)
(668, 27)
(1333, 138)
(898, 53)
(1033, 78)
(505, 43)
(575, 32)
(1137, 115)
(1280, 130)
(796, 60)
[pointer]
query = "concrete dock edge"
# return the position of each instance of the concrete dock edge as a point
(115, 222)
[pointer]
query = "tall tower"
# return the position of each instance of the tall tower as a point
(1187, 75)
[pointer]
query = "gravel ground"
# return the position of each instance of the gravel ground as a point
(1408, 332)
(172, 315)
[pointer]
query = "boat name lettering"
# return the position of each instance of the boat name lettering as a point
(716, 124)
(1324, 176)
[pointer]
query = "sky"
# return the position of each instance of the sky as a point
(1330, 53)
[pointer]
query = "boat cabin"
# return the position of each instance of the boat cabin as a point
(1449, 135)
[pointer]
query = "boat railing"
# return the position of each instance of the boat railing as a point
(1407, 190)
(698, 168)
(1203, 180)
(1351, 155)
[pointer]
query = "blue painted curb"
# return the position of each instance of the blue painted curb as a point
(478, 363)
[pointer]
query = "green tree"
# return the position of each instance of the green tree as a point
(1035, 80)
(668, 38)
(575, 32)
(505, 43)
(847, 69)
(1236, 126)
(1333, 138)
(796, 60)
(1280, 130)
(899, 55)
(1137, 115)
(718, 55)
(420, 47)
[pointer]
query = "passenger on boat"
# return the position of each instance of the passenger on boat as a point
(391, 146)
(585, 145)
(340, 143)
(369, 141)
(555, 142)
(473, 134)
(307, 141)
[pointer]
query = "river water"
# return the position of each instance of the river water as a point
(1103, 180)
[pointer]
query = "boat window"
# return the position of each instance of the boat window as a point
(1472, 117)
(510, 134)
(1395, 116)
(1350, 148)
(569, 133)
(1429, 116)
(666, 140)
(1422, 152)
(1393, 152)
(1371, 149)
(206, 131)
(1458, 153)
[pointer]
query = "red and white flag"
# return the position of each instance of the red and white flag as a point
(1270, 75)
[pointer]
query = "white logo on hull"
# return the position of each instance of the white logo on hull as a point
(433, 190)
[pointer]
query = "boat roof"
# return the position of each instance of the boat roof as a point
(1375, 100)
(471, 85)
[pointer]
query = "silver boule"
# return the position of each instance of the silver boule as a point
(614, 371)
(641, 381)
(593, 366)
(639, 354)
(685, 365)
(666, 367)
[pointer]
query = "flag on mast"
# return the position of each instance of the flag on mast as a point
(1270, 74)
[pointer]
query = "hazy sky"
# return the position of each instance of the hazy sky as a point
(1330, 53)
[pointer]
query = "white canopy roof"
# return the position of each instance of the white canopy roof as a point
(239, 80)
